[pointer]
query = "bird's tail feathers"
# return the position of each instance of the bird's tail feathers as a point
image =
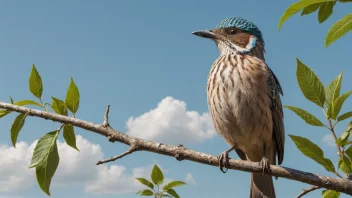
(262, 186)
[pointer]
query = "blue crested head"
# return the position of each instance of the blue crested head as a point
(242, 24)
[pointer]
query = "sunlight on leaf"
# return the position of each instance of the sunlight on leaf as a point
(16, 127)
(339, 29)
(312, 151)
(46, 160)
(310, 85)
(35, 83)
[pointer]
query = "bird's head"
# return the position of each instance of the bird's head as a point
(235, 34)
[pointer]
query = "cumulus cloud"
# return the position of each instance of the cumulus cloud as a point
(14, 172)
(190, 180)
(171, 122)
(329, 140)
(75, 168)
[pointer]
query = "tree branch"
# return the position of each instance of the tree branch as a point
(180, 152)
(308, 190)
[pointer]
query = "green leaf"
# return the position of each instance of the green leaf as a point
(27, 102)
(157, 176)
(325, 11)
(306, 116)
(46, 160)
(146, 182)
(11, 100)
(348, 152)
(312, 151)
(349, 127)
(173, 184)
(311, 9)
(3, 113)
(310, 85)
(336, 107)
(332, 92)
(145, 192)
(69, 136)
(342, 141)
(296, 7)
(345, 116)
(345, 165)
(35, 83)
(330, 194)
(72, 97)
(59, 106)
(339, 29)
(16, 127)
(173, 193)
(164, 195)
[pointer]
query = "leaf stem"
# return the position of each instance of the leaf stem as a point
(331, 128)
(43, 105)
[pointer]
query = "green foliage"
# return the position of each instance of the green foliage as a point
(325, 11)
(72, 97)
(310, 85)
(157, 176)
(69, 136)
(59, 106)
(35, 83)
(158, 179)
(45, 157)
(46, 160)
(16, 127)
(332, 92)
(338, 104)
(306, 116)
(339, 29)
(325, 8)
(345, 116)
(313, 151)
(330, 194)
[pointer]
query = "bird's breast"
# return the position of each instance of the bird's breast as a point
(238, 96)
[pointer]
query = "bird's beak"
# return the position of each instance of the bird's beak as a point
(205, 34)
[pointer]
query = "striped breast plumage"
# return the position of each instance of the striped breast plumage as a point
(239, 100)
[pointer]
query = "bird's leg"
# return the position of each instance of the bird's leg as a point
(224, 159)
(264, 163)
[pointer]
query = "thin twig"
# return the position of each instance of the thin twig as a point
(130, 151)
(106, 117)
(337, 184)
(341, 153)
(308, 190)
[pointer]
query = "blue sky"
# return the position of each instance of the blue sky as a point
(135, 55)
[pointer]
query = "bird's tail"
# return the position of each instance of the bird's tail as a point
(262, 186)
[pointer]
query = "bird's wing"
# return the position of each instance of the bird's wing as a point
(277, 114)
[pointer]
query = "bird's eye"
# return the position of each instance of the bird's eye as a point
(233, 31)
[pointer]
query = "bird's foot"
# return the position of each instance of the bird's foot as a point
(224, 160)
(264, 163)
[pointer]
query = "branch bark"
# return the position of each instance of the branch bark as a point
(182, 153)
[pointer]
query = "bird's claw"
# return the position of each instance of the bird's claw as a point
(264, 163)
(224, 161)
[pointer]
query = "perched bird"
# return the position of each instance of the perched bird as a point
(244, 100)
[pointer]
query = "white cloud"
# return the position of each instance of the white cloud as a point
(75, 168)
(329, 140)
(190, 180)
(14, 172)
(170, 122)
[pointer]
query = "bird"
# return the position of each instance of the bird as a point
(243, 96)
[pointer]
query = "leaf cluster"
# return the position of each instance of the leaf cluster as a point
(158, 179)
(330, 100)
(45, 157)
(324, 9)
